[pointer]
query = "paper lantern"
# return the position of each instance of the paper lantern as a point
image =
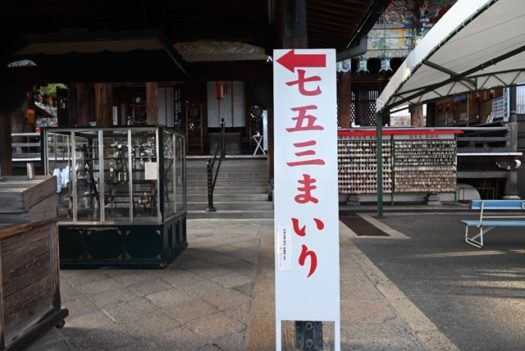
(219, 89)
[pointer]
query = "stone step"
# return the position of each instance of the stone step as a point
(230, 206)
(224, 175)
(241, 190)
(230, 214)
(242, 161)
(225, 167)
(227, 197)
(254, 189)
(231, 183)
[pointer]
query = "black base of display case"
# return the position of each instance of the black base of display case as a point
(122, 246)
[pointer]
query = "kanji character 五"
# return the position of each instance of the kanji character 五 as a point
(304, 121)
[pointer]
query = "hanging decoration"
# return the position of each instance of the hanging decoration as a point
(362, 66)
(344, 66)
(385, 65)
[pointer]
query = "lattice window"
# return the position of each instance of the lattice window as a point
(364, 107)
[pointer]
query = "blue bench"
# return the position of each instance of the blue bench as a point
(486, 223)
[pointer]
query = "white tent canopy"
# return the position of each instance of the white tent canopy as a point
(476, 45)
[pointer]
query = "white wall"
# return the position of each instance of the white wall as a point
(233, 97)
(166, 107)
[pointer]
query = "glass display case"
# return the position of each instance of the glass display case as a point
(122, 194)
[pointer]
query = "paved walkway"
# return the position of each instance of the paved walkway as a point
(218, 295)
(475, 296)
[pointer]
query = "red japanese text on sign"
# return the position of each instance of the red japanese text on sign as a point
(306, 184)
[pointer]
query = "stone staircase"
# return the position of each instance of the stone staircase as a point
(241, 191)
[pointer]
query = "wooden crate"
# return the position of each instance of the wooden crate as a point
(23, 200)
(29, 261)
(29, 290)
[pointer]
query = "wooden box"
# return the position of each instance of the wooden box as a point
(29, 262)
(23, 200)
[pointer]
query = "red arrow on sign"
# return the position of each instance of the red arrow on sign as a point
(291, 60)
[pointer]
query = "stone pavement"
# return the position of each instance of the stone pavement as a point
(476, 297)
(218, 295)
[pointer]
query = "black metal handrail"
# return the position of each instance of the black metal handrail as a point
(212, 179)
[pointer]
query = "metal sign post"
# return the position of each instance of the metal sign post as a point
(306, 196)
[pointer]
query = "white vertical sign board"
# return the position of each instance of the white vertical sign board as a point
(305, 193)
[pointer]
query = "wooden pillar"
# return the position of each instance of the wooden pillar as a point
(6, 167)
(72, 104)
(344, 91)
(431, 114)
(103, 104)
(416, 116)
(294, 34)
(82, 117)
(152, 103)
(293, 24)
(124, 110)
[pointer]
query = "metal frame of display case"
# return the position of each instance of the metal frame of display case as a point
(114, 234)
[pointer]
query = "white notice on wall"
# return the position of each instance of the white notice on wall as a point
(151, 170)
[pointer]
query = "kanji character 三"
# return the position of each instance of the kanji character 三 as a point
(310, 152)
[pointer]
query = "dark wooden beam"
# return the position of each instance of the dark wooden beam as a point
(12, 96)
(103, 104)
(260, 34)
(6, 167)
(82, 118)
(344, 90)
(152, 103)
(327, 33)
(370, 19)
(124, 109)
(293, 23)
(240, 70)
(72, 105)
(327, 17)
(342, 9)
(173, 54)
